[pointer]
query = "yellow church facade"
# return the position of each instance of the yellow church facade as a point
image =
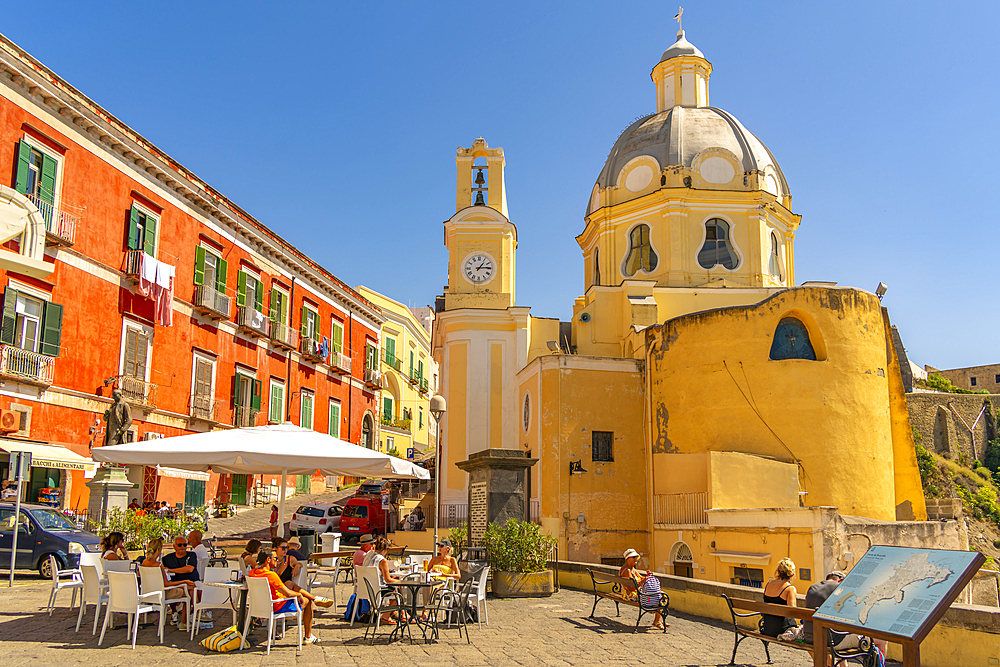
(701, 407)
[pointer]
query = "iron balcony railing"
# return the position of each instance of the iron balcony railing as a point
(401, 424)
(424, 385)
(373, 378)
(311, 349)
(133, 264)
(340, 362)
(251, 321)
(60, 224)
(680, 508)
(137, 391)
(26, 366)
(244, 416)
(391, 360)
(205, 408)
(211, 301)
(283, 335)
(414, 377)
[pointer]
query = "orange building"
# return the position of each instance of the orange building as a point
(122, 269)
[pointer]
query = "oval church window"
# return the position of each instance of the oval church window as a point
(718, 247)
(640, 253)
(791, 341)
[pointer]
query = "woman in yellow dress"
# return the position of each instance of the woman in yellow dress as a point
(442, 567)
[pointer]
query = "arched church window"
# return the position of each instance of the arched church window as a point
(791, 341)
(597, 266)
(640, 254)
(718, 248)
(775, 263)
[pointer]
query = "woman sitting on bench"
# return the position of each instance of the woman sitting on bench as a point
(650, 594)
(780, 591)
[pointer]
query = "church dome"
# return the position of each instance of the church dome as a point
(681, 47)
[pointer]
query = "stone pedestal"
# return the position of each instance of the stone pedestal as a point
(108, 490)
(498, 488)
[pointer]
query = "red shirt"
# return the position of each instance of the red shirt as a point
(273, 581)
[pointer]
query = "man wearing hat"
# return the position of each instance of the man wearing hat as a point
(365, 544)
(294, 544)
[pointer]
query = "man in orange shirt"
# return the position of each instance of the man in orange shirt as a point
(295, 600)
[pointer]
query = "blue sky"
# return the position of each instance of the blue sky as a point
(336, 123)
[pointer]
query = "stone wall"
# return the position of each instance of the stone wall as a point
(933, 415)
(944, 508)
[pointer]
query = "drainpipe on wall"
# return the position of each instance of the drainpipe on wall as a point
(288, 372)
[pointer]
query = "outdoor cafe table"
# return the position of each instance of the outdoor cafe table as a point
(414, 585)
(241, 586)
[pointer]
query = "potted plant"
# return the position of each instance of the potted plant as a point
(519, 555)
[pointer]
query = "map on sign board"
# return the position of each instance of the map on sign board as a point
(897, 589)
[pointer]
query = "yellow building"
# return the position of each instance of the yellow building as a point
(700, 407)
(409, 379)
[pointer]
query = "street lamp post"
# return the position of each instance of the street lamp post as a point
(437, 408)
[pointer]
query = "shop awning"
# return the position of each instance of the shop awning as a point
(49, 456)
(182, 474)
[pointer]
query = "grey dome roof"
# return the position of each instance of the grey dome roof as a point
(675, 136)
(681, 47)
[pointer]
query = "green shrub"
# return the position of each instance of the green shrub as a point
(518, 546)
(140, 529)
(459, 537)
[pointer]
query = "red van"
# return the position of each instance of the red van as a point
(363, 515)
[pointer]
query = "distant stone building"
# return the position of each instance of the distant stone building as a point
(976, 378)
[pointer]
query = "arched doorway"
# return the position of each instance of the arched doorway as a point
(368, 432)
(682, 560)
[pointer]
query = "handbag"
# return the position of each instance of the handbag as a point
(223, 641)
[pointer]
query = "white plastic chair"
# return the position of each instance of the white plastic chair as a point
(360, 591)
(116, 565)
(94, 592)
(302, 578)
(62, 580)
(262, 606)
(212, 597)
(124, 598)
(152, 582)
(94, 560)
(332, 576)
(478, 596)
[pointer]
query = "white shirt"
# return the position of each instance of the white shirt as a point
(372, 559)
(201, 551)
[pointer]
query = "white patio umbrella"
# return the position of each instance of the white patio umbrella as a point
(269, 450)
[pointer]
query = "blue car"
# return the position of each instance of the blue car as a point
(42, 531)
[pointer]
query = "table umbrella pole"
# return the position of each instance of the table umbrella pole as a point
(281, 503)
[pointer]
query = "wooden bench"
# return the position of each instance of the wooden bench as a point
(864, 656)
(619, 585)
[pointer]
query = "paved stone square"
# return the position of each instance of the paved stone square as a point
(548, 631)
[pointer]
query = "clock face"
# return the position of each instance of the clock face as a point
(478, 268)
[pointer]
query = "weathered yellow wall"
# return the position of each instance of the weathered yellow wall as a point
(742, 481)
(680, 473)
(574, 396)
(715, 388)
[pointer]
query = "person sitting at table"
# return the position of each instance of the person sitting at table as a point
(365, 545)
(134, 505)
(442, 568)
(294, 544)
(377, 558)
(291, 600)
(288, 567)
(181, 565)
(249, 555)
(113, 547)
(174, 590)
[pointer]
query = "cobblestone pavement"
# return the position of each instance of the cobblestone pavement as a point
(253, 522)
(548, 631)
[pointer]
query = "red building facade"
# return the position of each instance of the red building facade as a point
(123, 270)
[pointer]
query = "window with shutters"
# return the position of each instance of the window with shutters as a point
(390, 352)
(246, 398)
(136, 351)
(276, 413)
(601, 444)
(387, 410)
(38, 176)
(203, 387)
(306, 411)
(210, 269)
(249, 291)
(278, 311)
(310, 323)
(420, 370)
(31, 323)
(334, 427)
(411, 363)
(420, 417)
(337, 336)
(371, 357)
(142, 227)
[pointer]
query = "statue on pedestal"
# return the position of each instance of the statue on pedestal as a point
(119, 418)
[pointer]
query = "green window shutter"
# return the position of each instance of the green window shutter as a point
(420, 369)
(305, 315)
(48, 190)
(241, 288)
(149, 235)
(387, 407)
(307, 413)
(411, 363)
(390, 348)
(23, 155)
(255, 395)
(133, 229)
(335, 419)
(282, 306)
(258, 295)
(199, 265)
(7, 330)
(338, 338)
(221, 276)
(238, 381)
(52, 317)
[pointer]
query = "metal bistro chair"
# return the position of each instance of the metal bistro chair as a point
(331, 576)
(94, 592)
(262, 606)
(63, 580)
(448, 602)
(380, 605)
(217, 556)
(125, 599)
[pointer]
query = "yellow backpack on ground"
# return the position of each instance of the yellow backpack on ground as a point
(223, 641)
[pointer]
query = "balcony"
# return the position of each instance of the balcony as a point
(373, 378)
(137, 391)
(340, 362)
(680, 508)
(205, 408)
(60, 224)
(391, 360)
(414, 378)
(283, 335)
(211, 302)
(251, 321)
(311, 349)
(133, 264)
(424, 385)
(26, 366)
(399, 424)
(244, 416)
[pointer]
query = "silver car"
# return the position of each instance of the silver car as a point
(320, 517)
